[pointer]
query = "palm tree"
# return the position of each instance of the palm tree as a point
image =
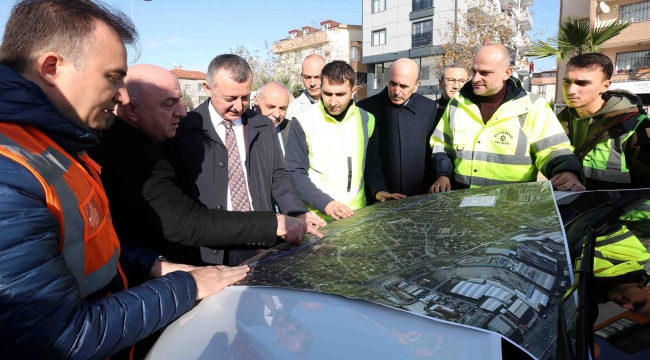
(576, 36)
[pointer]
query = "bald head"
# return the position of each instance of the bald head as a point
(490, 68)
(496, 53)
(403, 80)
(311, 68)
(155, 107)
(272, 101)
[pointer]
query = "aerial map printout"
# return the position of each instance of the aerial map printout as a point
(492, 258)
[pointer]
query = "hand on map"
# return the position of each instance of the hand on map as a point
(212, 279)
(382, 196)
(162, 268)
(292, 229)
(336, 210)
(566, 181)
(441, 184)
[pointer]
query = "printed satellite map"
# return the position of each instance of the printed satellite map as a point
(492, 258)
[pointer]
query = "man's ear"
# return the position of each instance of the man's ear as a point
(417, 85)
(606, 85)
(354, 90)
(207, 89)
(255, 102)
(48, 67)
(508, 72)
(129, 112)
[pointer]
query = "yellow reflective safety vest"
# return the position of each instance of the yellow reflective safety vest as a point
(521, 138)
(619, 253)
(337, 153)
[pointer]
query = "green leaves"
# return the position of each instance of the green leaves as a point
(576, 36)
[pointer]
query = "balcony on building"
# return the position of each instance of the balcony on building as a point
(544, 77)
(505, 4)
(422, 4)
(526, 20)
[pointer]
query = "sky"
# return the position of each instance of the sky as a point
(192, 32)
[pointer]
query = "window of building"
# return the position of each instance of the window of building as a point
(635, 12)
(381, 75)
(325, 26)
(422, 4)
(378, 6)
(632, 61)
(379, 37)
(422, 34)
(355, 54)
(188, 87)
(199, 87)
(425, 71)
(540, 89)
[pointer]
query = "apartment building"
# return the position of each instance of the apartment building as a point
(629, 51)
(332, 41)
(543, 84)
(417, 29)
(191, 84)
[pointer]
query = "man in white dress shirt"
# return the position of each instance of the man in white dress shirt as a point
(272, 100)
(230, 158)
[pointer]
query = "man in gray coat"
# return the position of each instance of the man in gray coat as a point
(311, 68)
(229, 158)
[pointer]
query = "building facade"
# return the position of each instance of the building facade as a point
(332, 41)
(417, 29)
(191, 84)
(543, 84)
(629, 51)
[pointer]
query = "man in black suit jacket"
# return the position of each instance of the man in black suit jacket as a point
(405, 121)
(147, 206)
(199, 155)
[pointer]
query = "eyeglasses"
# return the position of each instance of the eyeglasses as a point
(455, 81)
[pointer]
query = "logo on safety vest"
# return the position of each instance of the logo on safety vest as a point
(502, 138)
(93, 214)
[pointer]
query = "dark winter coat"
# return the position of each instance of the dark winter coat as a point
(43, 314)
(404, 135)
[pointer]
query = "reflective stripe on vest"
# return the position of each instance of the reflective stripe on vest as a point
(77, 200)
(640, 212)
(493, 154)
(619, 253)
(606, 162)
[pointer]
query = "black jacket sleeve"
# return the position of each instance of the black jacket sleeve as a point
(373, 174)
(43, 314)
(298, 162)
(282, 185)
(189, 223)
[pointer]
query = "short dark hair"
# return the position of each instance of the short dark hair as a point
(62, 26)
(237, 68)
(338, 72)
(592, 61)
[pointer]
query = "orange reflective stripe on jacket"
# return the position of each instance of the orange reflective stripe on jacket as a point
(75, 196)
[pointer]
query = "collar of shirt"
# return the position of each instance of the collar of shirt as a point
(217, 120)
(311, 99)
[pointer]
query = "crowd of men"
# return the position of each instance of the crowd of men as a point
(119, 210)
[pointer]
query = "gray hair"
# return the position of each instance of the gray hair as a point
(451, 66)
(260, 91)
(237, 68)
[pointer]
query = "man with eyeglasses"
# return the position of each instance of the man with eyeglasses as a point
(311, 68)
(494, 133)
(405, 121)
(452, 78)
